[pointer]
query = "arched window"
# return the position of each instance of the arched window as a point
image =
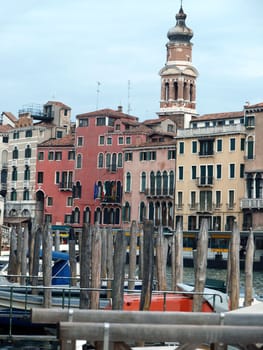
(27, 173)
(151, 211)
(14, 173)
(259, 184)
(175, 90)
(108, 160)
(143, 181)
(13, 196)
(120, 164)
(86, 216)
(185, 91)
(114, 162)
(97, 216)
(159, 183)
(26, 194)
(100, 160)
(76, 216)
(166, 91)
(28, 152)
(15, 153)
(128, 182)
(191, 92)
(250, 147)
(165, 183)
(171, 183)
(142, 214)
(126, 212)
(117, 216)
(79, 161)
(152, 183)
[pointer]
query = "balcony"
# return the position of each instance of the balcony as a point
(112, 168)
(251, 203)
(204, 208)
(205, 181)
(111, 199)
(66, 186)
(158, 193)
(215, 130)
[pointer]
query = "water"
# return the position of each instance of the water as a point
(222, 275)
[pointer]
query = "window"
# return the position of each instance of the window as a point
(143, 182)
(232, 171)
(232, 145)
(231, 199)
(128, 182)
(128, 156)
(100, 121)
(219, 145)
(28, 133)
(194, 146)
(40, 177)
(128, 140)
(206, 201)
(27, 173)
(28, 152)
(100, 160)
(69, 201)
(242, 144)
(250, 148)
(16, 135)
(59, 134)
(126, 212)
(218, 171)
(193, 172)
(48, 218)
(71, 155)
(179, 200)
(40, 155)
(181, 147)
(14, 174)
(83, 123)
(26, 194)
(180, 172)
(67, 218)
(206, 147)
(242, 171)
(5, 139)
(117, 127)
(58, 155)
(50, 155)
(57, 177)
(250, 121)
(108, 160)
(101, 140)
(80, 141)
(120, 162)
(109, 141)
(218, 199)
(206, 175)
(121, 140)
(171, 154)
(13, 195)
(15, 153)
(49, 201)
(170, 128)
(193, 200)
(79, 161)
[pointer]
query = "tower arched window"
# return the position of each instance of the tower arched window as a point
(175, 90)
(185, 91)
(191, 92)
(100, 160)
(166, 91)
(28, 152)
(15, 153)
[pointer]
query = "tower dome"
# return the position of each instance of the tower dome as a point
(180, 32)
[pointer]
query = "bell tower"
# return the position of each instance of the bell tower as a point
(178, 76)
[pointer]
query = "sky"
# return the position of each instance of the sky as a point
(101, 54)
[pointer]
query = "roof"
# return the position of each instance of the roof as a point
(257, 105)
(106, 112)
(57, 103)
(10, 116)
(67, 140)
(5, 128)
(216, 116)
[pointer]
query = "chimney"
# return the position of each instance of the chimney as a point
(120, 109)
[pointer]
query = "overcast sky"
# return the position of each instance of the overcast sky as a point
(60, 50)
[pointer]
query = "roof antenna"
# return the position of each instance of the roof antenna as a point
(98, 92)
(129, 105)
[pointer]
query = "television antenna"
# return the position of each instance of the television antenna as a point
(98, 92)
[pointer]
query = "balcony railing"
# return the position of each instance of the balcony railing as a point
(204, 207)
(215, 130)
(160, 192)
(112, 168)
(205, 181)
(66, 186)
(251, 203)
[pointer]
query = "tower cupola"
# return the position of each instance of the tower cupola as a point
(180, 32)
